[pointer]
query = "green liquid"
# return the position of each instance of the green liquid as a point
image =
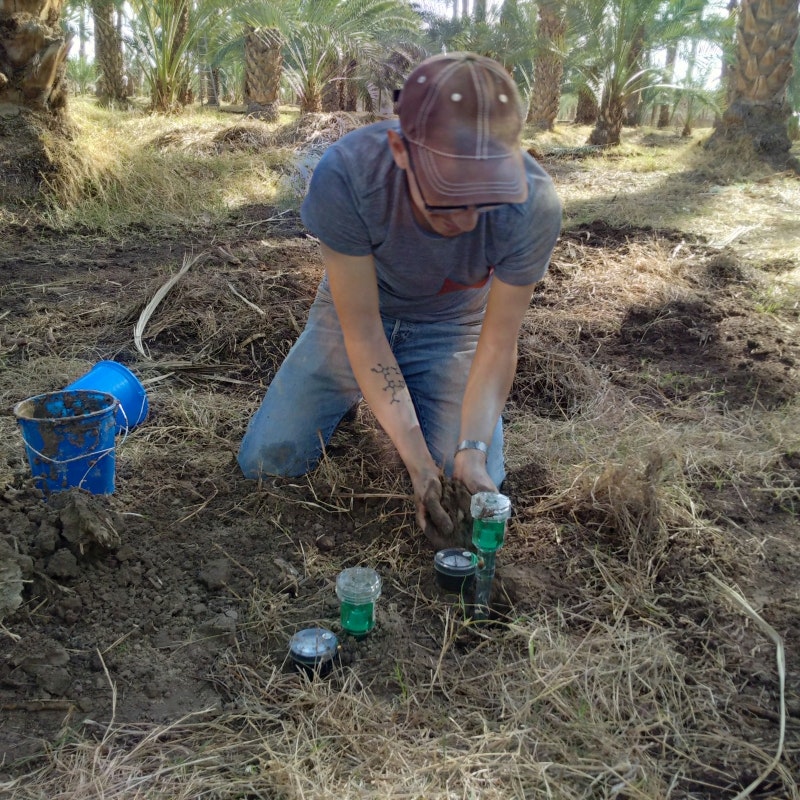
(488, 534)
(358, 619)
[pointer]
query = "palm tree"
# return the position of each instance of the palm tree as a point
(610, 35)
(166, 34)
(612, 38)
(758, 111)
(110, 88)
(33, 95)
(548, 67)
(508, 36)
(323, 37)
(263, 61)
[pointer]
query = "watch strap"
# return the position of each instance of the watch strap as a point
(473, 444)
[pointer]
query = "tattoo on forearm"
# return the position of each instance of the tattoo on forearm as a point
(394, 380)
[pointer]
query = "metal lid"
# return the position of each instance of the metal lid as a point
(358, 585)
(313, 646)
(455, 561)
(491, 506)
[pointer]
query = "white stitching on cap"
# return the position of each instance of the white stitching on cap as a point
(483, 123)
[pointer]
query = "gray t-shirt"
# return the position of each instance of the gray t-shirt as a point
(358, 203)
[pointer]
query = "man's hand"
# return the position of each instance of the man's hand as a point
(469, 467)
(432, 518)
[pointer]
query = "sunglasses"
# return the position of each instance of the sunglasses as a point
(481, 208)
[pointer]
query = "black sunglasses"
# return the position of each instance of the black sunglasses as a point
(481, 208)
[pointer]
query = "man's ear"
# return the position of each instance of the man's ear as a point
(398, 148)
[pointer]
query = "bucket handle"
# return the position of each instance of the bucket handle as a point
(98, 453)
(127, 428)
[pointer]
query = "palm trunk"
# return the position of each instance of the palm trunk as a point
(758, 112)
(350, 93)
(586, 110)
(548, 67)
(34, 52)
(664, 108)
(263, 68)
(184, 91)
(609, 120)
(340, 92)
(108, 55)
(687, 125)
(33, 97)
(311, 101)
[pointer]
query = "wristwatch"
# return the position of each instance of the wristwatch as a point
(473, 444)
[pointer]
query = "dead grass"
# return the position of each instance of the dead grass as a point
(559, 705)
(662, 180)
(162, 172)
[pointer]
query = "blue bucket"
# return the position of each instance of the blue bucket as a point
(117, 380)
(69, 440)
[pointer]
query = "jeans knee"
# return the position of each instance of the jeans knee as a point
(280, 459)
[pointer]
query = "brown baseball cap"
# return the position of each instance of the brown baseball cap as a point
(461, 116)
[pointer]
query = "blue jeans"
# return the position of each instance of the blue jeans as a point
(315, 388)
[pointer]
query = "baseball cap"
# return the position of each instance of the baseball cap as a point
(461, 116)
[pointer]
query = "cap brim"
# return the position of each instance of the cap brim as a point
(454, 181)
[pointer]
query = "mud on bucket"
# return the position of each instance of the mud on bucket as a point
(69, 439)
(117, 380)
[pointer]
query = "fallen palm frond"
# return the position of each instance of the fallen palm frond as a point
(780, 657)
(147, 312)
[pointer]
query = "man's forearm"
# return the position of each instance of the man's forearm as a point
(385, 391)
(488, 387)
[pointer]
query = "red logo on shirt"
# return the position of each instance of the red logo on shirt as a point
(452, 286)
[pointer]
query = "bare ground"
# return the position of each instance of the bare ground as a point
(178, 593)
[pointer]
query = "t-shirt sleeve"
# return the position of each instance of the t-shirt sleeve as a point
(330, 209)
(529, 241)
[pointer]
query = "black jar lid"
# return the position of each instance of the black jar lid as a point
(313, 647)
(455, 562)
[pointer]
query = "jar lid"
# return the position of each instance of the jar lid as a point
(455, 561)
(490, 505)
(358, 585)
(313, 646)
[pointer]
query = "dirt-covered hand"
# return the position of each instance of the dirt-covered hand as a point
(454, 529)
(431, 516)
(469, 469)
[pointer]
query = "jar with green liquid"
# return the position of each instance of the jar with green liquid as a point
(490, 511)
(357, 589)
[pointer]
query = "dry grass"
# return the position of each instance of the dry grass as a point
(560, 705)
(659, 179)
(162, 172)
